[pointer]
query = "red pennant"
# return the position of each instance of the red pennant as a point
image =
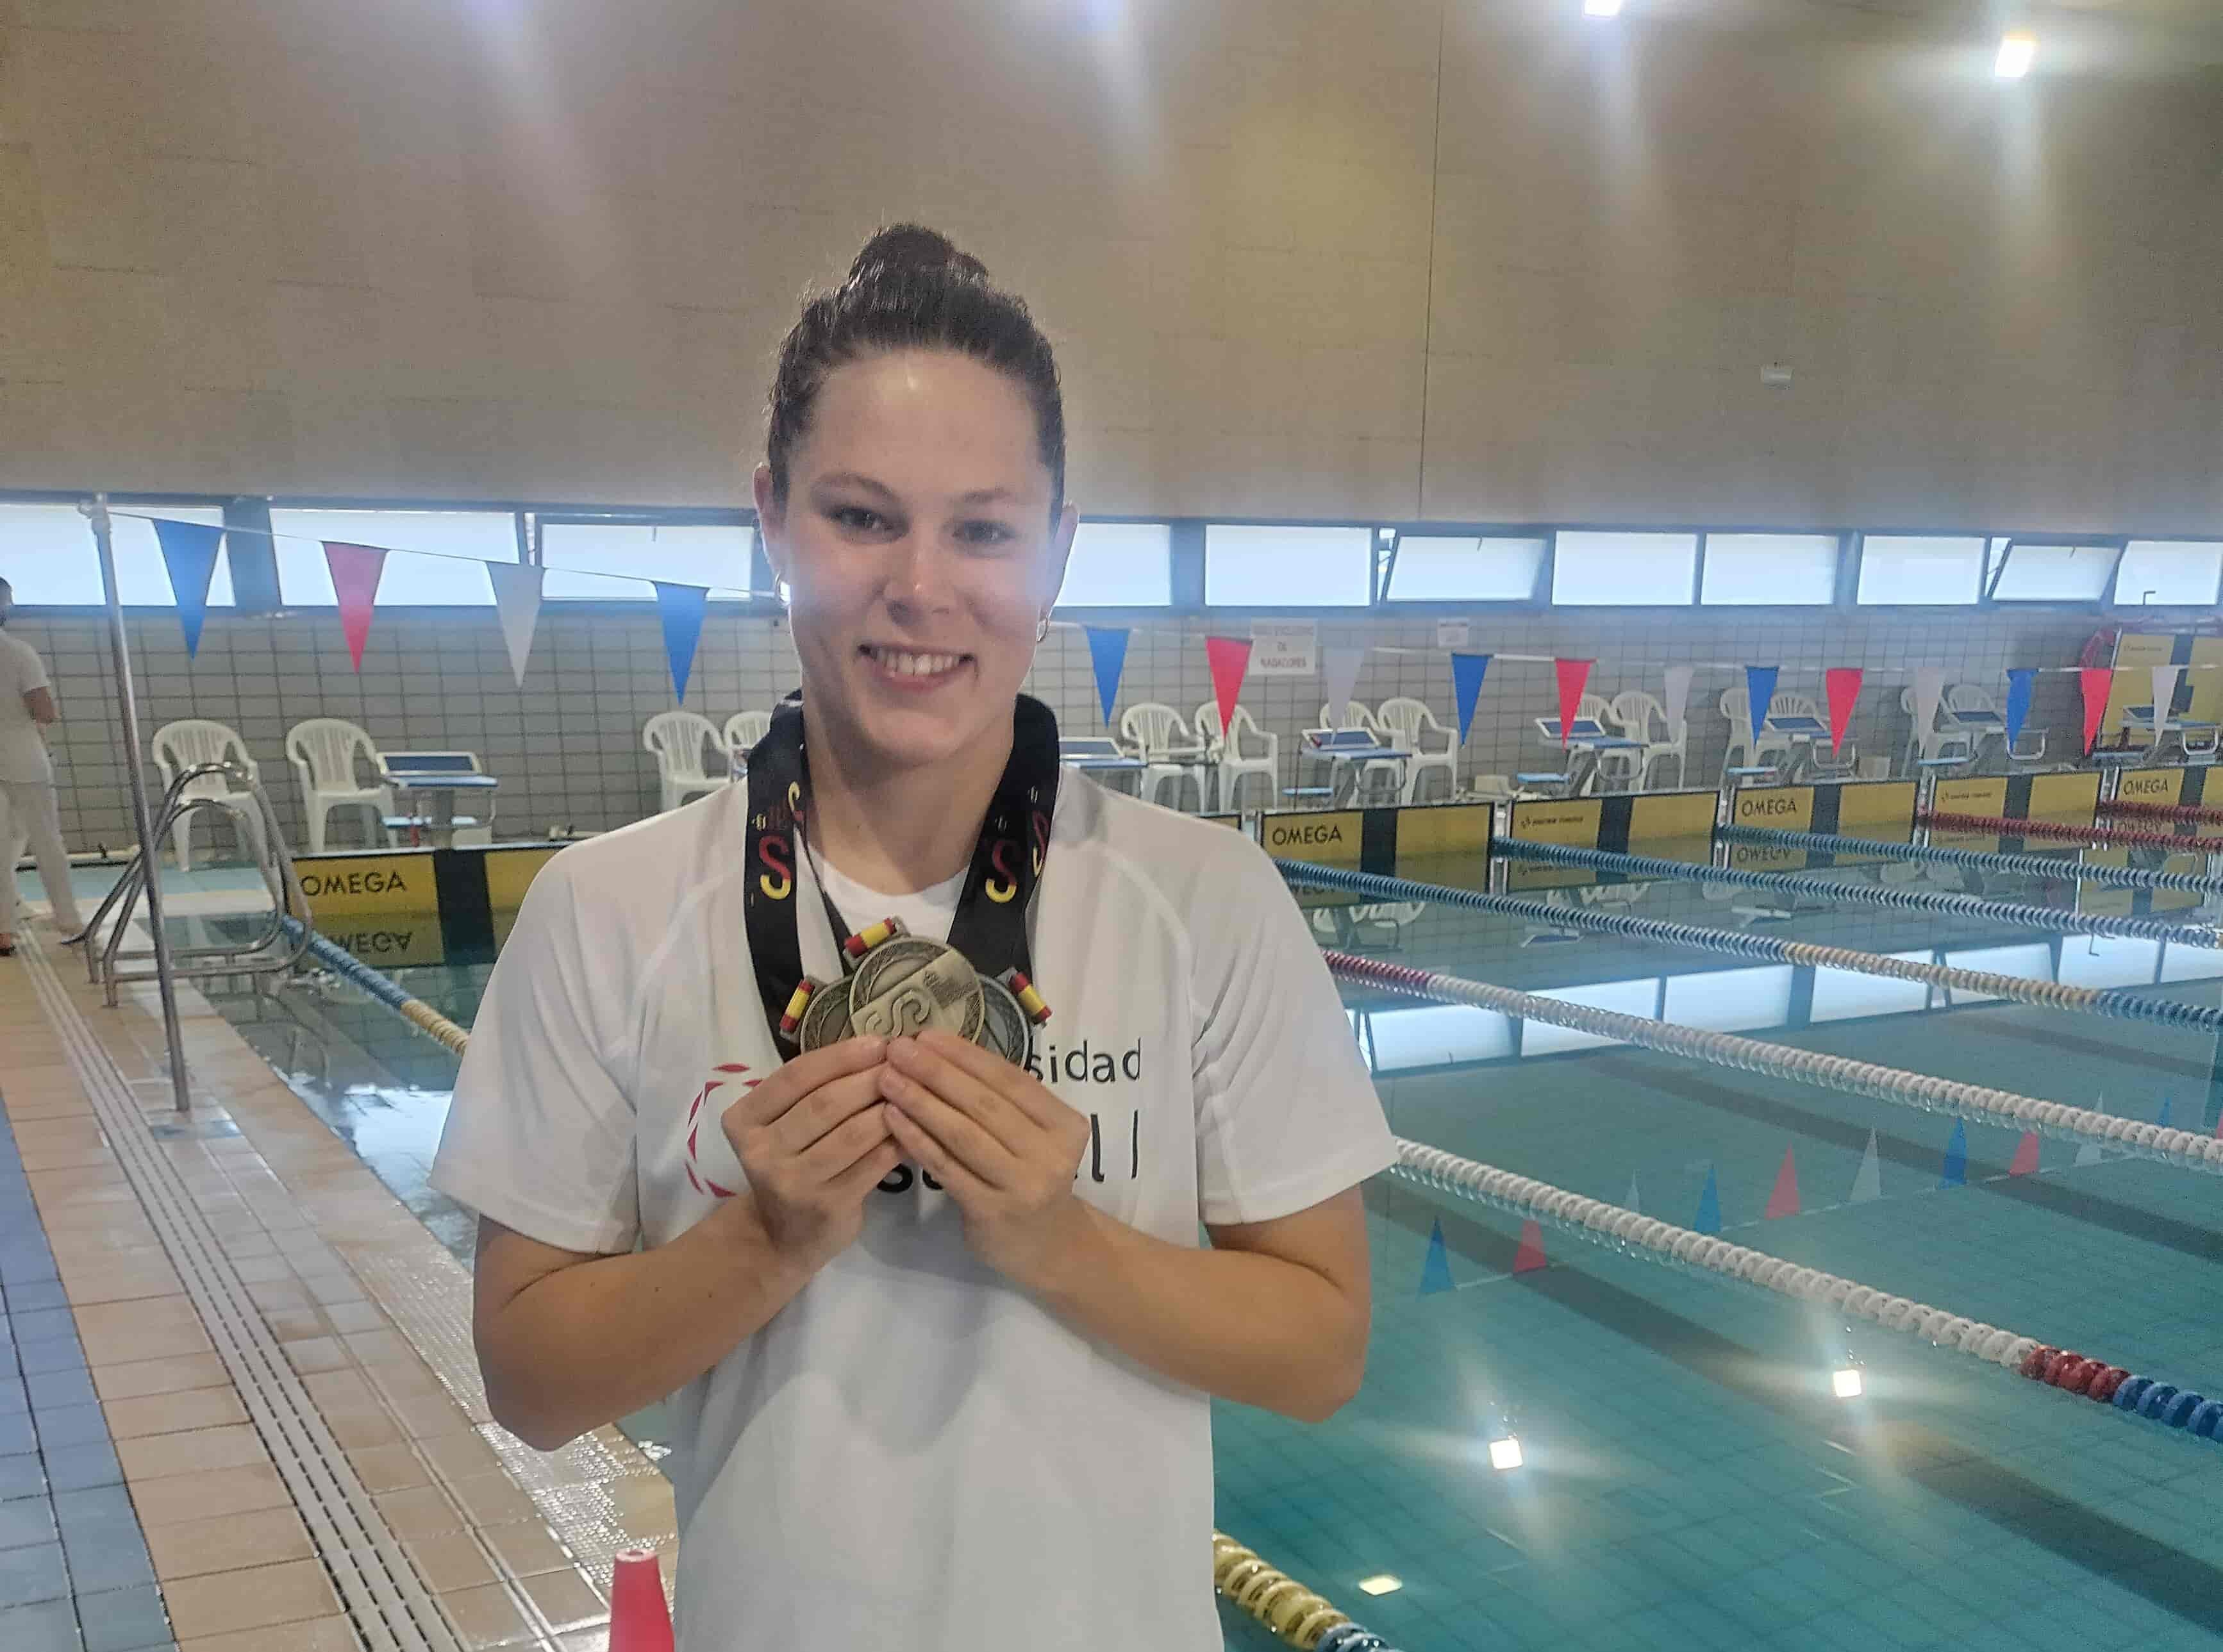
(2025, 1159)
(1784, 1202)
(2098, 681)
(356, 569)
(1842, 683)
(1574, 675)
(1230, 657)
(1530, 1256)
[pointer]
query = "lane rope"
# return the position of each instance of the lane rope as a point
(2041, 865)
(1634, 1234)
(2164, 1143)
(2092, 1000)
(2198, 813)
(1913, 900)
(2114, 836)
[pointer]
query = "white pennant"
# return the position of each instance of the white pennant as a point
(1677, 702)
(2164, 682)
(517, 604)
(1929, 689)
(1339, 672)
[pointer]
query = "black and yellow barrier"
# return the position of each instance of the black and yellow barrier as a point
(1375, 839)
(1674, 825)
(1881, 811)
(2069, 798)
(2186, 787)
(404, 907)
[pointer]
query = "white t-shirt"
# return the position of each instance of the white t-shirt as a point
(22, 752)
(914, 1453)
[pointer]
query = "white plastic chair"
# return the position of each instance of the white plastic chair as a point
(1228, 758)
(1413, 728)
(677, 739)
(1621, 766)
(323, 751)
(1352, 715)
(1641, 717)
(743, 730)
(1942, 742)
(1747, 749)
(1170, 753)
(179, 745)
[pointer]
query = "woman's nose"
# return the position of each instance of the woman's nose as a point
(917, 575)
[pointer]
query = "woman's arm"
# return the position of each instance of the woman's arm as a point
(1276, 1314)
(39, 706)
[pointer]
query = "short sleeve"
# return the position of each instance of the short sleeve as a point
(539, 1136)
(1286, 1114)
(23, 670)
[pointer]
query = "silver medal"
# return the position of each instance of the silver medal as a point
(911, 985)
(826, 1017)
(1003, 1025)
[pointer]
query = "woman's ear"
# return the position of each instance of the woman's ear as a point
(771, 523)
(1061, 550)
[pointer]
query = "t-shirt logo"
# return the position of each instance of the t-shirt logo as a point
(696, 1178)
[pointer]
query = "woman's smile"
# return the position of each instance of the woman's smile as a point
(913, 670)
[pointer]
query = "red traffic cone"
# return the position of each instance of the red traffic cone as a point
(639, 1620)
(1528, 1256)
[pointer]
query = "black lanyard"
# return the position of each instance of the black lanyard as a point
(991, 925)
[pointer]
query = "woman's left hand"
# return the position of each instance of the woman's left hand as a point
(1004, 1147)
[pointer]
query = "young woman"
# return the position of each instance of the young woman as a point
(931, 1297)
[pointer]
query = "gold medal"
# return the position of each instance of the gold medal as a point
(910, 985)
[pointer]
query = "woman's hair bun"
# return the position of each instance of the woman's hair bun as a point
(913, 246)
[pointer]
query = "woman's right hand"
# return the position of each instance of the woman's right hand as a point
(813, 1139)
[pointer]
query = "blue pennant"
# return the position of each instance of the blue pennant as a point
(681, 608)
(1956, 1158)
(190, 549)
(1436, 1270)
(1107, 654)
(1709, 1218)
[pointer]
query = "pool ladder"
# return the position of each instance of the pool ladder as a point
(274, 948)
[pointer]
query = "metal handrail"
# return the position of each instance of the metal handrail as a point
(276, 949)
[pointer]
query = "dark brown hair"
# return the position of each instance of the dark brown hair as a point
(910, 288)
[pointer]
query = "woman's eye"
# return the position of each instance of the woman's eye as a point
(983, 534)
(857, 519)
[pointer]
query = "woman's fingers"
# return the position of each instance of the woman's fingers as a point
(955, 1135)
(772, 1099)
(848, 1142)
(1022, 1088)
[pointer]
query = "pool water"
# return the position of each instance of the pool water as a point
(1688, 1478)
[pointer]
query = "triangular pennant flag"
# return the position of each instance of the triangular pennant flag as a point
(2025, 1159)
(1677, 703)
(1709, 1218)
(1629, 1204)
(1929, 689)
(1107, 657)
(1339, 675)
(1956, 1157)
(1528, 1256)
(1436, 1269)
(1868, 1181)
(517, 606)
(189, 549)
(2020, 682)
(2087, 1154)
(1842, 685)
(1573, 675)
(1229, 658)
(1760, 692)
(2097, 682)
(1783, 1201)
(681, 608)
(1467, 673)
(2168, 1105)
(356, 570)
(2164, 696)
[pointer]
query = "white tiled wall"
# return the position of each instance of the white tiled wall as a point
(567, 745)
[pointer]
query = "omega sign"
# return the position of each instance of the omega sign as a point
(341, 880)
(1766, 806)
(1303, 834)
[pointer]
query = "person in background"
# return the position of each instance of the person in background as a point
(26, 783)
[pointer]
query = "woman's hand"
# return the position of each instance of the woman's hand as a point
(813, 1139)
(1004, 1147)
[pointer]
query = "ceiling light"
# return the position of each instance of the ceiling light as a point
(1601, 8)
(1505, 1454)
(1380, 1584)
(1846, 1384)
(2015, 52)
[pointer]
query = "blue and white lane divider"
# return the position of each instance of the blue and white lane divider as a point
(2036, 865)
(2090, 1000)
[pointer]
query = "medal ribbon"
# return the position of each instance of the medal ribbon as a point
(990, 928)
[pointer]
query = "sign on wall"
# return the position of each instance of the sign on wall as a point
(1284, 648)
(1454, 634)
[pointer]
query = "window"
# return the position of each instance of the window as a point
(2169, 573)
(2053, 573)
(1437, 1036)
(48, 554)
(1626, 997)
(1841, 994)
(1918, 569)
(2109, 961)
(1730, 1000)
(305, 580)
(606, 561)
(1623, 569)
(1288, 567)
(1435, 568)
(2182, 961)
(1119, 564)
(1770, 570)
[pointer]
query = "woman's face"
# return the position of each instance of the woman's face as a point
(920, 549)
